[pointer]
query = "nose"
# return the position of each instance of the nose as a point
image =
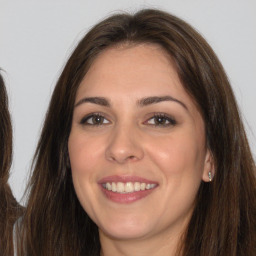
(124, 146)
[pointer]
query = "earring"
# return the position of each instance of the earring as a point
(210, 176)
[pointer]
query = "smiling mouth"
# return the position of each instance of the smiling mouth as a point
(128, 187)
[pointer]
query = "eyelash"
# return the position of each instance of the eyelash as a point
(165, 118)
(160, 116)
(92, 116)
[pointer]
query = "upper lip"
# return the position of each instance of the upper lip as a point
(124, 179)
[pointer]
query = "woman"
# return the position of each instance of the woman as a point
(9, 208)
(142, 150)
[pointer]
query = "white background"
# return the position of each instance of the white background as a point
(36, 37)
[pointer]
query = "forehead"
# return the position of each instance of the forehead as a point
(131, 71)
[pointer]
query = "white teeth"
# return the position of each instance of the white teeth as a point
(148, 186)
(120, 187)
(137, 186)
(142, 186)
(108, 186)
(113, 186)
(127, 187)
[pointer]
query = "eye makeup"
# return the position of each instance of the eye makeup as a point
(160, 120)
(94, 119)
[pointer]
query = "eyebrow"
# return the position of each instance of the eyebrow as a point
(141, 103)
(156, 99)
(95, 100)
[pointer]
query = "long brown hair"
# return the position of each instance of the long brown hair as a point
(9, 208)
(223, 222)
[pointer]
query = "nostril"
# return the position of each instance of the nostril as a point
(122, 153)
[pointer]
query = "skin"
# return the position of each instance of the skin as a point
(129, 141)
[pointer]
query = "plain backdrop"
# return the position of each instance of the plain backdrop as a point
(36, 38)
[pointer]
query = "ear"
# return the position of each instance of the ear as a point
(209, 168)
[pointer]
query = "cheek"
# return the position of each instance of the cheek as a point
(181, 154)
(84, 154)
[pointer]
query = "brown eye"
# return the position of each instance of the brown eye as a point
(94, 119)
(161, 120)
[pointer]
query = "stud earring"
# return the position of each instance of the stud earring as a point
(210, 176)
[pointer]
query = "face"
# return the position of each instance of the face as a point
(137, 145)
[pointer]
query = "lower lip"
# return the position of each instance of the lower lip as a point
(126, 198)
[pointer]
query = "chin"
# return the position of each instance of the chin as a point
(126, 230)
(127, 234)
